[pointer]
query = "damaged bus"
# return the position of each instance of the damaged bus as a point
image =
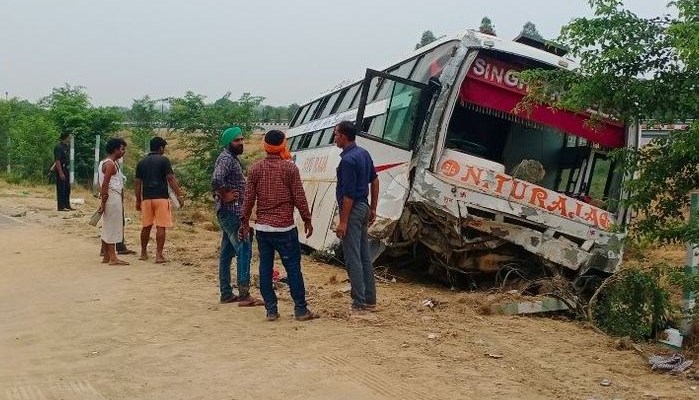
(465, 180)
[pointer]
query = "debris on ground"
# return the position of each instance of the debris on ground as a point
(544, 305)
(432, 303)
(673, 363)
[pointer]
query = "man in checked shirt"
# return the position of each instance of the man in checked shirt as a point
(228, 183)
(274, 183)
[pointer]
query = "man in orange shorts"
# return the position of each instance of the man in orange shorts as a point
(153, 176)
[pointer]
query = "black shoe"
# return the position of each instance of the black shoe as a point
(230, 299)
(125, 251)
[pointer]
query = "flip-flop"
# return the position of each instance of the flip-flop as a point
(119, 262)
(162, 261)
(251, 302)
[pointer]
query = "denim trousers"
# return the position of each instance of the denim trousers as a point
(289, 249)
(355, 248)
(232, 246)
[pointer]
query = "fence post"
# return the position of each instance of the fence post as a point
(690, 271)
(9, 147)
(95, 175)
(72, 160)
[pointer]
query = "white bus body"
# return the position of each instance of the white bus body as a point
(449, 150)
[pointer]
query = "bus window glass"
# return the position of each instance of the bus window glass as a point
(432, 63)
(385, 87)
(349, 96)
(310, 112)
(323, 104)
(297, 142)
(291, 142)
(404, 70)
(325, 137)
(376, 84)
(357, 96)
(306, 140)
(376, 126)
(330, 105)
(299, 116)
(315, 139)
(401, 114)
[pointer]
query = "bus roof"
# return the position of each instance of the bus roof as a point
(481, 40)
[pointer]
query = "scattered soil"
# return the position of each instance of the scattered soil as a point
(75, 328)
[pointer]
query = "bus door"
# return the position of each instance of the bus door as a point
(406, 107)
(390, 115)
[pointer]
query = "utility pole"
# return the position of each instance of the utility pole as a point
(690, 271)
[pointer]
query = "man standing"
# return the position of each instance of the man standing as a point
(60, 166)
(112, 196)
(153, 176)
(274, 184)
(354, 176)
(228, 183)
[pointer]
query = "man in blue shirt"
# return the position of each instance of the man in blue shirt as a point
(355, 175)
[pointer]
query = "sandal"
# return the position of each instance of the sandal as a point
(250, 302)
(307, 316)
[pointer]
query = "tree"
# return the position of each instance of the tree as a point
(201, 125)
(70, 110)
(143, 118)
(27, 137)
(638, 69)
(487, 26)
(529, 29)
(427, 38)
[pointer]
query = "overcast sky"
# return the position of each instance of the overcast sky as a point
(285, 50)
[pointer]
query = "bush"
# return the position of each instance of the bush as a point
(633, 303)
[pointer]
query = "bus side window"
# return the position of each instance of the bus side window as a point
(432, 63)
(311, 111)
(323, 137)
(323, 104)
(331, 104)
(350, 94)
(297, 142)
(291, 142)
(376, 126)
(300, 114)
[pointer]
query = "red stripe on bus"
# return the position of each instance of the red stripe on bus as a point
(384, 167)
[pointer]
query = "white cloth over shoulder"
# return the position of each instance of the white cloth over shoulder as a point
(113, 216)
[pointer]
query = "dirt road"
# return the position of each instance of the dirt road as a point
(72, 328)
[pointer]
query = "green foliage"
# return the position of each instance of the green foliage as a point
(144, 118)
(637, 69)
(633, 303)
(529, 29)
(487, 26)
(427, 38)
(27, 137)
(280, 114)
(70, 110)
(201, 125)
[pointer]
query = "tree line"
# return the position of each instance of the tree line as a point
(30, 130)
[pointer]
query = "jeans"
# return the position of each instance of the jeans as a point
(287, 245)
(232, 246)
(355, 248)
